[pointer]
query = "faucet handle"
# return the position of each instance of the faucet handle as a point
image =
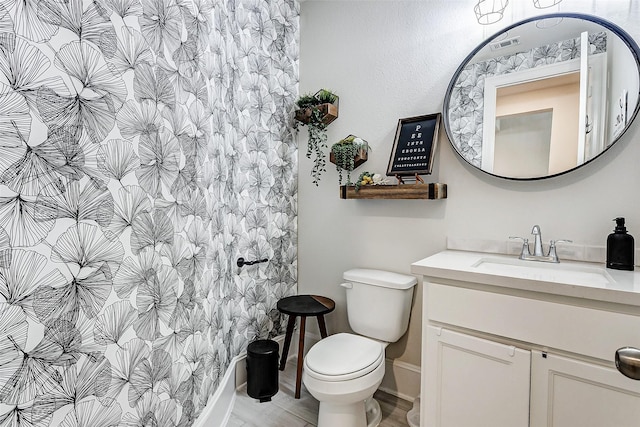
(525, 246)
(552, 248)
(553, 242)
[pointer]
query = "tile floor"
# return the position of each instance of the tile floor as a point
(285, 411)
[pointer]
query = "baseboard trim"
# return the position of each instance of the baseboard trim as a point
(401, 379)
(218, 410)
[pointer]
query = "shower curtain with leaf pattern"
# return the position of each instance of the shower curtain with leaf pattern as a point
(144, 146)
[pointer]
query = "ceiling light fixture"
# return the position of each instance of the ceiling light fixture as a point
(490, 11)
(543, 4)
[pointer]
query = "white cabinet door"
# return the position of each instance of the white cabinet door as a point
(570, 392)
(471, 381)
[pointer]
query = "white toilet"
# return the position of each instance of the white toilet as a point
(343, 370)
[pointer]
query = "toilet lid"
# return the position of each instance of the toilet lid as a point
(344, 356)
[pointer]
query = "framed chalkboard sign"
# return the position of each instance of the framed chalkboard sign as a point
(414, 145)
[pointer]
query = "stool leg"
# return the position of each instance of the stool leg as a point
(287, 341)
(300, 356)
(323, 327)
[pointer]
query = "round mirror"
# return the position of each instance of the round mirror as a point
(544, 96)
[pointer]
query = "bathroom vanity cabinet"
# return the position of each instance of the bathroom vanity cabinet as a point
(507, 343)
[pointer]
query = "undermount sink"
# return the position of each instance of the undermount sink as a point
(549, 272)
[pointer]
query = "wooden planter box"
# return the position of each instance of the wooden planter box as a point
(360, 158)
(329, 113)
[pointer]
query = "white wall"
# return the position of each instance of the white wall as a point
(390, 60)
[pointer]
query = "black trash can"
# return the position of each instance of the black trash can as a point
(262, 369)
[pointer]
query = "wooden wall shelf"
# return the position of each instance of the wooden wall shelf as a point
(403, 191)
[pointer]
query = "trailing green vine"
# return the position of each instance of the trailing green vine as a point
(317, 144)
(345, 152)
(311, 115)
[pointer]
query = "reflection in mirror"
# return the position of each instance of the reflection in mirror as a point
(544, 96)
(523, 140)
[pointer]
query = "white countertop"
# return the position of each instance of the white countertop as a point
(568, 278)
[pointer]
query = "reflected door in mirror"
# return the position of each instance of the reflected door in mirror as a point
(545, 109)
(523, 144)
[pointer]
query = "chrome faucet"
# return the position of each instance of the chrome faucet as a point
(538, 253)
(537, 245)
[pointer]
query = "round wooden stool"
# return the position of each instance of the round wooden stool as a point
(302, 306)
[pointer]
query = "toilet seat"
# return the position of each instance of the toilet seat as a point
(342, 357)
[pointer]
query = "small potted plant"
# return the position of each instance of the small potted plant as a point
(316, 112)
(347, 154)
(368, 178)
(321, 106)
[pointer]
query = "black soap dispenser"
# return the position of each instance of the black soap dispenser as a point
(620, 247)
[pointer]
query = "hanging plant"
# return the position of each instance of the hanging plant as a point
(316, 112)
(348, 154)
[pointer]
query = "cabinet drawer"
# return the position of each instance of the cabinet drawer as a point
(587, 331)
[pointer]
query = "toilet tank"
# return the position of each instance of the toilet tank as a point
(378, 302)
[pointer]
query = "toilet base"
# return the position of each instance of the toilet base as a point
(334, 414)
(365, 413)
(374, 413)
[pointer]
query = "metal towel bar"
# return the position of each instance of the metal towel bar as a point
(241, 262)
